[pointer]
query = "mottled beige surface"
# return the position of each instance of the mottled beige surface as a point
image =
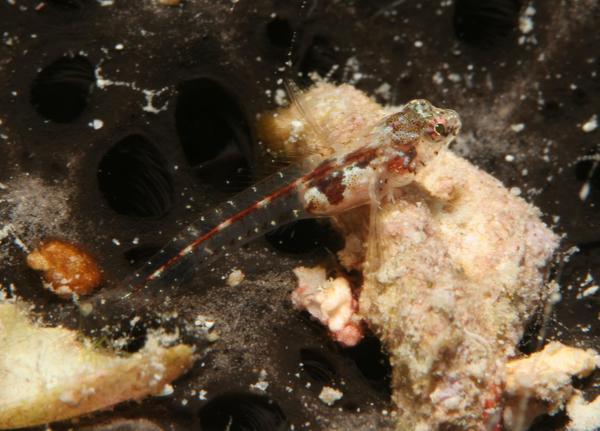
(454, 273)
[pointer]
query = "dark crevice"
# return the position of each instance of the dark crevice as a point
(304, 236)
(530, 341)
(373, 363)
(213, 133)
(485, 22)
(134, 179)
(280, 33)
(61, 90)
(242, 412)
(547, 422)
(551, 109)
(580, 97)
(320, 57)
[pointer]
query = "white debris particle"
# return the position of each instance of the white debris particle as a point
(115, 241)
(588, 292)
(438, 78)
(166, 391)
(384, 90)
(584, 192)
(5, 231)
(96, 124)
(3, 186)
(235, 277)
(297, 128)
(588, 279)
(119, 46)
(352, 73)
(330, 395)
(525, 24)
(418, 44)
(204, 322)
(591, 124)
(454, 77)
(135, 241)
(515, 191)
(530, 11)
(106, 2)
(518, 127)
(280, 97)
(262, 383)
(202, 395)
(149, 106)
(509, 158)
(68, 398)
(555, 297)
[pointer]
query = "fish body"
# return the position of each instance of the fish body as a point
(389, 156)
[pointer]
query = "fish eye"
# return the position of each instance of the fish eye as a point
(440, 129)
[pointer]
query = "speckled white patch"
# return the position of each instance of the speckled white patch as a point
(314, 196)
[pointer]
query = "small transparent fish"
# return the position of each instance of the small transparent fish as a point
(390, 155)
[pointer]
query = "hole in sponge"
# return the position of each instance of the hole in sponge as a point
(280, 33)
(373, 363)
(61, 90)
(134, 179)
(213, 133)
(485, 22)
(320, 57)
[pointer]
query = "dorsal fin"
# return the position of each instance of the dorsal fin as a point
(293, 91)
